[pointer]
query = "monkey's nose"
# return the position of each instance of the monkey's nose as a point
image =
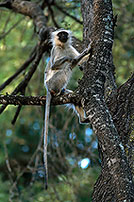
(64, 38)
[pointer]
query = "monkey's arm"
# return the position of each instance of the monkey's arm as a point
(73, 60)
(59, 62)
(81, 57)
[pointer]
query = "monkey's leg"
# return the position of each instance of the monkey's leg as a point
(65, 91)
(53, 92)
(81, 114)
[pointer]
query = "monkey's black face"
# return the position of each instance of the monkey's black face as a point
(63, 36)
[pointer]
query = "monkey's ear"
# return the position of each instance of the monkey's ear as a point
(45, 33)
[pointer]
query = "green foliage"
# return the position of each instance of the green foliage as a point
(14, 45)
(123, 51)
(67, 189)
(4, 190)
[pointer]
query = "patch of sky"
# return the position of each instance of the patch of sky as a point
(56, 143)
(25, 148)
(72, 136)
(8, 132)
(8, 141)
(94, 145)
(80, 146)
(47, 60)
(88, 134)
(84, 163)
(36, 126)
(71, 160)
(31, 132)
(22, 121)
(41, 173)
(55, 139)
(89, 131)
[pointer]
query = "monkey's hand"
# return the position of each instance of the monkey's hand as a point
(74, 61)
(55, 67)
(80, 67)
(88, 49)
(82, 57)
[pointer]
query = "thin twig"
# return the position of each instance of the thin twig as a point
(66, 13)
(17, 111)
(10, 174)
(16, 115)
(22, 68)
(56, 194)
(24, 83)
(11, 28)
(6, 23)
(52, 15)
(38, 149)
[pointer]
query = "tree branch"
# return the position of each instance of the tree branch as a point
(30, 9)
(6, 4)
(38, 100)
(53, 17)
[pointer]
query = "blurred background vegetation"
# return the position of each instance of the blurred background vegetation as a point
(73, 160)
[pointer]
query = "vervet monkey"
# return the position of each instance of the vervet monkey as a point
(64, 57)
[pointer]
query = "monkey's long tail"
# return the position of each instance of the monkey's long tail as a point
(46, 123)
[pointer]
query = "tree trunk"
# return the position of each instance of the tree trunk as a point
(115, 181)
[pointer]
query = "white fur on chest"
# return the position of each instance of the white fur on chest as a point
(50, 74)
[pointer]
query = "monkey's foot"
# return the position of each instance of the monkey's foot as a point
(63, 91)
(68, 91)
(52, 92)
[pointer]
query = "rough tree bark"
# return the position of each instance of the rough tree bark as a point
(115, 181)
(110, 110)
